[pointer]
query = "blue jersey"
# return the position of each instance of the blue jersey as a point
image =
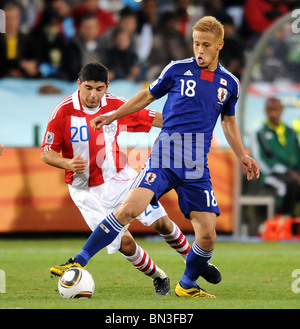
(196, 98)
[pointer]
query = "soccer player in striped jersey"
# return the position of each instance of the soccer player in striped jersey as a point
(96, 171)
(199, 90)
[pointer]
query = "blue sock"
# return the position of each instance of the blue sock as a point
(102, 236)
(196, 263)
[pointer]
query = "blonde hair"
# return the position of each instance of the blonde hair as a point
(210, 24)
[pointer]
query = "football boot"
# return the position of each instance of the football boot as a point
(195, 292)
(162, 286)
(60, 269)
(212, 274)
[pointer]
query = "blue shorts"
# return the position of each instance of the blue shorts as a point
(193, 194)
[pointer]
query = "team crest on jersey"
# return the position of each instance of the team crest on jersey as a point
(110, 129)
(49, 137)
(222, 94)
(150, 177)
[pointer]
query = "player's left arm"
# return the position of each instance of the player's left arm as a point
(233, 136)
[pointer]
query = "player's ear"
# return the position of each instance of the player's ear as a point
(78, 83)
(221, 44)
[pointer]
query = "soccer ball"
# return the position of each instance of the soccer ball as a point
(76, 283)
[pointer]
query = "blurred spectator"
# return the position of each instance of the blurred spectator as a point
(51, 42)
(17, 50)
(148, 14)
(276, 149)
(169, 44)
(235, 8)
(213, 7)
(232, 54)
(85, 47)
(106, 19)
(188, 13)
(64, 12)
(274, 59)
(122, 62)
(147, 26)
(67, 21)
(128, 21)
(261, 14)
(133, 4)
(31, 8)
(112, 5)
(183, 16)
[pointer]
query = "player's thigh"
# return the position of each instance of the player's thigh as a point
(134, 204)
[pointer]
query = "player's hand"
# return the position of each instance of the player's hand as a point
(250, 167)
(1, 148)
(78, 164)
(100, 121)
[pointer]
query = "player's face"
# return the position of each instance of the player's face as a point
(91, 92)
(206, 49)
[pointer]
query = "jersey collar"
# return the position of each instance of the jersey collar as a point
(76, 101)
(103, 101)
(77, 104)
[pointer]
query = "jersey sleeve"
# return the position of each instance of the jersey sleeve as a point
(53, 138)
(164, 83)
(140, 121)
(229, 108)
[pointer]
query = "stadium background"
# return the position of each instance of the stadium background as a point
(34, 197)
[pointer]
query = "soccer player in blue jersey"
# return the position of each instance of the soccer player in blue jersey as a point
(199, 90)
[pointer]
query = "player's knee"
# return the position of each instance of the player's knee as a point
(207, 239)
(126, 213)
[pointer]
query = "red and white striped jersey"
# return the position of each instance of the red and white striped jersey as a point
(69, 132)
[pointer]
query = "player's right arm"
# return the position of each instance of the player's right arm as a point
(138, 102)
(76, 164)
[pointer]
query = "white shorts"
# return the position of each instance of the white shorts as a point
(95, 203)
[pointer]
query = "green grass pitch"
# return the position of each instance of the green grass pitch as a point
(255, 275)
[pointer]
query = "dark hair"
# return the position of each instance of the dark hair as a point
(86, 17)
(93, 72)
(127, 11)
(272, 100)
(11, 4)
